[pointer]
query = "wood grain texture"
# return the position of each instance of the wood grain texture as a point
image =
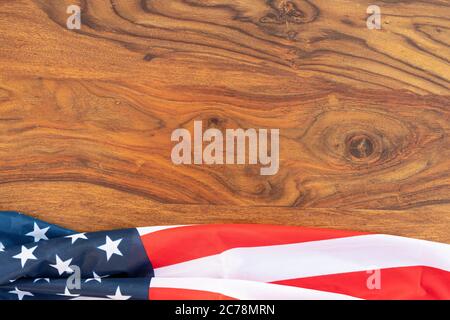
(364, 115)
(91, 208)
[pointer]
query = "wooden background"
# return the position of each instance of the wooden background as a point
(86, 115)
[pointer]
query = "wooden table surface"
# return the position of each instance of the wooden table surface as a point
(86, 115)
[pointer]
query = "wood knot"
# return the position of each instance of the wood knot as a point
(215, 122)
(288, 8)
(148, 57)
(288, 12)
(360, 146)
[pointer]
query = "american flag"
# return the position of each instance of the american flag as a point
(257, 262)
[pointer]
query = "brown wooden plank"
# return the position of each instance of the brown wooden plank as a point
(91, 111)
(83, 207)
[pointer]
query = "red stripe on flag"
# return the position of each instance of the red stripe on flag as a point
(175, 245)
(409, 283)
(184, 294)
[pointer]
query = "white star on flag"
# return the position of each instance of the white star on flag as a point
(96, 277)
(2, 247)
(77, 236)
(67, 293)
(111, 247)
(20, 293)
(62, 266)
(118, 295)
(25, 255)
(38, 234)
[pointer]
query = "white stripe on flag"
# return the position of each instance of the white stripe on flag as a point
(292, 261)
(146, 230)
(246, 290)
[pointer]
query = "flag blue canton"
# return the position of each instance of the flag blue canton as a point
(37, 258)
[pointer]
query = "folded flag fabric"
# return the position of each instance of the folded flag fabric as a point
(258, 262)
